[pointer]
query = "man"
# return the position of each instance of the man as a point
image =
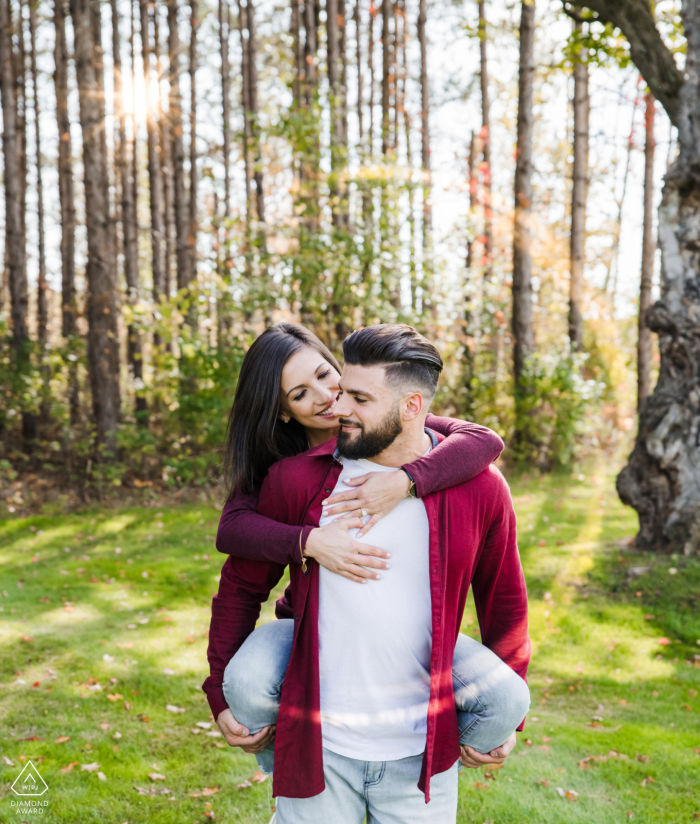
(367, 723)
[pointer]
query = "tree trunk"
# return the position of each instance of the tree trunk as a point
(193, 227)
(101, 270)
(648, 246)
(473, 184)
(166, 165)
(485, 142)
(66, 200)
(155, 179)
(42, 309)
(255, 121)
(372, 82)
(21, 98)
(16, 254)
(661, 478)
(336, 100)
(358, 60)
(523, 335)
(224, 27)
(387, 14)
(579, 193)
(427, 228)
(177, 150)
(245, 105)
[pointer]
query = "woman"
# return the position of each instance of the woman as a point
(284, 405)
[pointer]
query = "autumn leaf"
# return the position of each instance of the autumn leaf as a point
(480, 785)
(244, 785)
(26, 638)
(259, 778)
(94, 767)
(154, 776)
(543, 782)
(528, 742)
(6, 760)
(31, 738)
(114, 697)
(664, 642)
(125, 645)
(205, 725)
(69, 767)
(104, 725)
(173, 708)
(62, 739)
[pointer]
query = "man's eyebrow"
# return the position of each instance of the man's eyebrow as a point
(362, 392)
(302, 385)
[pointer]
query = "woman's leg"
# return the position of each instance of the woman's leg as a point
(253, 680)
(491, 699)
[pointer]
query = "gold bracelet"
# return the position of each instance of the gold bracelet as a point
(301, 552)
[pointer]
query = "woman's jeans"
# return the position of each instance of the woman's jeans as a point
(491, 699)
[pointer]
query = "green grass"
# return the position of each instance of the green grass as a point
(596, 660)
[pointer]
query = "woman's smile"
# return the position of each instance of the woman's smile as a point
(327, 412)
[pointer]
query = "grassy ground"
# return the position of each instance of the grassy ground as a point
(104, 619)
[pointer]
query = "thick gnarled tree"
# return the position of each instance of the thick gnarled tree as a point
(661, 477)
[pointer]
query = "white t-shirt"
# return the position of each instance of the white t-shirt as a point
(375, 640)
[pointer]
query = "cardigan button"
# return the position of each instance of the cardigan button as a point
(327, 490)
(297, 617)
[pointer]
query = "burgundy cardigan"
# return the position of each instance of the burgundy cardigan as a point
(472, 542)
(468, 449)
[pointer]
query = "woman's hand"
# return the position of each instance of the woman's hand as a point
(334, 549)
(377, 492)
(237, 735)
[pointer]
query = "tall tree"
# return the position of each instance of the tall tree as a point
(427, 229)
(254, 115)
(16, 255)
(192, 230)
(101, 270)
(126, 207)
(166, 165)
(648, 247)
(66, 198)
(155, 179)
(473, 173)
(660, 478)
(42, 305)
(224, 27)
(485, 141)
(177, 149)
(245, 105)
(337, 104)
(579, 191)
(21, 97)
(387, 15)
(523, 334)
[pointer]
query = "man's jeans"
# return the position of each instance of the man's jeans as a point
(491, 701)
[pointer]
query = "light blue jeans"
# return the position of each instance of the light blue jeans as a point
(491, 699)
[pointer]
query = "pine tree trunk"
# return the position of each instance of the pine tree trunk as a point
(66, 200)
(387, 14)
(42, 312)
(255, 121)
(360, 89)
(193, 226)
(15, 180)
(101, 270)
(523, 335)
(155, 179)
(485, 143)
(648, 246)
(473, 183)
(579, 193)
(427, 228)
(166, 164)
(332, 43)
(177, 150)
(21, 97)
(224, 27)
(372, 82)
(245, 105)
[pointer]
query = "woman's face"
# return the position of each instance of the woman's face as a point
(309, 390)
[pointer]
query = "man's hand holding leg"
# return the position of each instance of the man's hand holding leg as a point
(472, 759)
(237, 735)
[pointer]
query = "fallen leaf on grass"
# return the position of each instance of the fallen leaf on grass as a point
(101, 776)
(244, 785)
(630, 814)
(104, 725)
(546, 739)
(213, 734)
(205, 791)
(125, 645)
(117, 735)
(205, 725)
(68, 767)
(173, 708)
(114, 696)
(543, 782)
(26, 638)
(489, 776)
(94, 767)
(259, 778)
(687, 708)
(167, 670)
(154, 776)
(664, 642)
(31, 738)
(646, 757)
(569, 795)
(648, 780)
(62, 739)
(153, 791)
(480, 785)
(6, 760)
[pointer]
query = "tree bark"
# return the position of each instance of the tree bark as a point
(177, 149)
(155, 180)
(579, 193)
(245, 105)
(42, 309)
(224, 27)
(648, 247)
(193, 226)
(473, 186)
(103, 346)
(387, 14)
(660, 478)
(523, 334)
(16, 255)
(485, 142)
(372, 82)
(427, 228)
(66, 200)
(166, 165)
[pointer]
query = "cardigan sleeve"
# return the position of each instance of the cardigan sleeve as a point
(243, 587)
(246, 534)
(467, 450)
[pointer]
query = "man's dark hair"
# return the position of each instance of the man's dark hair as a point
(409, 359)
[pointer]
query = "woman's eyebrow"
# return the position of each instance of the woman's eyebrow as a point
(302, 385)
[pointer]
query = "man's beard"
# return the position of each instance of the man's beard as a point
(368, 444)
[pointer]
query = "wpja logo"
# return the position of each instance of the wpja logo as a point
(29, 783)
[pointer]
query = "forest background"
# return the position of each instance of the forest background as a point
(180, 175)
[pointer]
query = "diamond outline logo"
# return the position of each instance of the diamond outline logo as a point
(35, 781)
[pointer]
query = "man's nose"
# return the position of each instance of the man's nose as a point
(343, 408)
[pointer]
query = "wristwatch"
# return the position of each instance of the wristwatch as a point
(412, 488)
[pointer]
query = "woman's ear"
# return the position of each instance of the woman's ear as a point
(285, 418)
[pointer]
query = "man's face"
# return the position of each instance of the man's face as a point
(368, 412)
